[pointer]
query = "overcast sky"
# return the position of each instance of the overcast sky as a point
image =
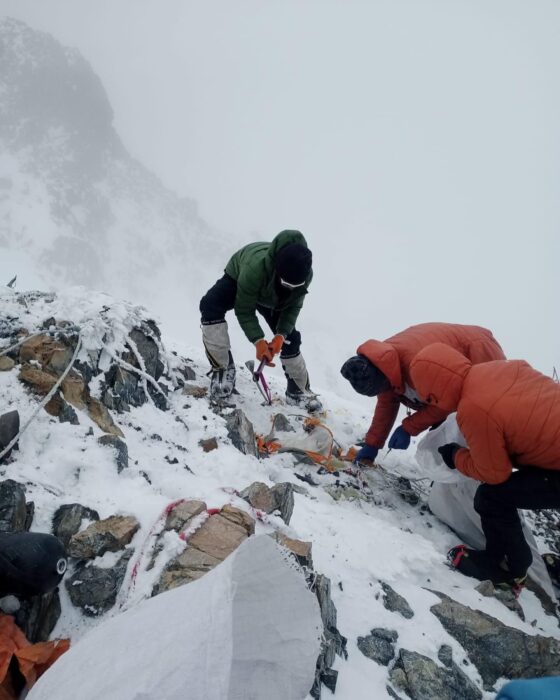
(415, 143)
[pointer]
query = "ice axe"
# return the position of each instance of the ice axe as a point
(259, 379)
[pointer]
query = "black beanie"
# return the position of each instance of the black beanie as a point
(293, 263)
(364, 376)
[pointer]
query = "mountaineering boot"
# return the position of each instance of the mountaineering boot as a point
(222, 381)
(477, 564)
(298, 392)
(216, 341)
(9, 428)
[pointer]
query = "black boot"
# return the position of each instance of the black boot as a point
(479, 565)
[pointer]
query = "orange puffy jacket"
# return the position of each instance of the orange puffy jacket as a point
(393, 357)
(508, 412)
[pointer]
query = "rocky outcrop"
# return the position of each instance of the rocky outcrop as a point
(394, 602)
(280, 497)
(109, 535)
(422, 679)
(497, 651)
(13, 509)
(94, 589)
(120, 449)
(210, 543)
(68, 519)
(241, 432)
(379, 645)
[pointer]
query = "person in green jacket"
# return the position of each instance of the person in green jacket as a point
(273, 279)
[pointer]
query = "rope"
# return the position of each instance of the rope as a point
(47, 398)
(140, 372)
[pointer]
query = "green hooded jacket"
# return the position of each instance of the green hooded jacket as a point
(253, 269)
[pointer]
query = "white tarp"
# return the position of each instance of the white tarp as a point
(250, 629)
(452, 497)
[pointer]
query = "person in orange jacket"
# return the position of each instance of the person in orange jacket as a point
(382, 369)
(509, 414)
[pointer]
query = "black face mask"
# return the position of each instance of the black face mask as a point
(364, 376)
(281, 291)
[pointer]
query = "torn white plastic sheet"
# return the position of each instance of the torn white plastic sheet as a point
(250, 629)
(452, 497)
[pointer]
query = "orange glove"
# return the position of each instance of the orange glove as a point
(264, 352)
(276, 344)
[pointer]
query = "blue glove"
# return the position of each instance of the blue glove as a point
(366, 452)
(400, 439)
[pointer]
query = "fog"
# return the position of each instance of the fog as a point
(415, 143)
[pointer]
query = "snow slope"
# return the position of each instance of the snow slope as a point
(355, 543)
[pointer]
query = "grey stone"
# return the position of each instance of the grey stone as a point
(37, 616)
(119, 446)
(183, 513)
(422, 679)
(379, 645)
(281, 424)
(395, 602)
(13, 509)
(259, 496)
(301, 550)
(284, 497)
(68, 519)
(241, 432)
(445, 655)
(496, 649)
(95, 589)
(107, 535)
(333, 642)
(6, 363)
(148, 350)
(504, 595)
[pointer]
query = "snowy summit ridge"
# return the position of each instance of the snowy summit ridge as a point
(75, 206)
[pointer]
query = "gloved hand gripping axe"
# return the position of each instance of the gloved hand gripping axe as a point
(259, 379)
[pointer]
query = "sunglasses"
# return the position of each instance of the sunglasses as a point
(289, 285)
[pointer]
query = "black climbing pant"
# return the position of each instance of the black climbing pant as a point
(529, 488)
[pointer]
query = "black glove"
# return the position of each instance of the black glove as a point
(447, 453)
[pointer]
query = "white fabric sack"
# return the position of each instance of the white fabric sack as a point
(452, 497)
(429, 459)
(250, 629)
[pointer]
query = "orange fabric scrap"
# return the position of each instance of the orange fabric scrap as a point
(32, 659)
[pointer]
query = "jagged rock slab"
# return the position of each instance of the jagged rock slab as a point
(121, 450)
(241, 432)
(68, 519)
(95, 589)
(183, 513)
(494, 648)
(379, 645)
(422, 679)
(394, 602)
(13, 510)
(107, 535)
(280, 497)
